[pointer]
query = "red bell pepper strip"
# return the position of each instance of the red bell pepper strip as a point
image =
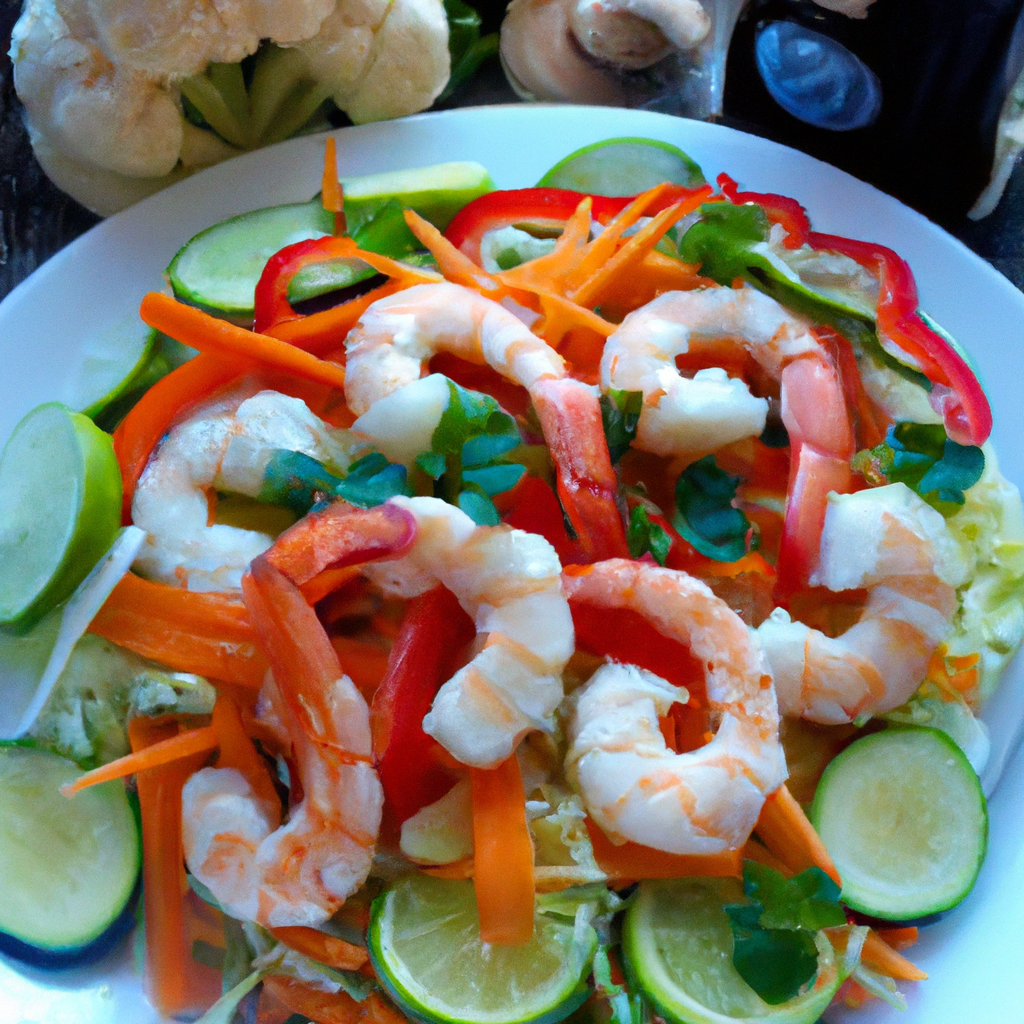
(534, 508)
(542, 207)
(780, 210)
(958, 397)
(434, 631)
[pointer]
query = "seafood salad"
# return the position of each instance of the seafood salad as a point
(488, 606)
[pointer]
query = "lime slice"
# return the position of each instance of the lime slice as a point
(623, 167)
(67, 866)
(424, 940)
(60, 509)
(902, 814)
(436, 193)
(677, 943)
(111, 365)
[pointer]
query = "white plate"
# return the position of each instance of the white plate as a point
(93, 288)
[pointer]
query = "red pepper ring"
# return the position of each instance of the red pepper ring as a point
(961, 402)
(780, 210)
(543, 207)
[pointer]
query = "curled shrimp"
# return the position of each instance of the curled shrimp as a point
(301, 872)
(391, 345)
(888, 541)
(507, 581)
(224, 446)
(633, 786)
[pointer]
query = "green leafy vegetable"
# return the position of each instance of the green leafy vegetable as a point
(620, 414)
(465, 45)
(296, 481)
(478, 507)
(774, 948)
(626, 1007)
(642, 536)
(371, 481)
(923, 457)
(704, 514)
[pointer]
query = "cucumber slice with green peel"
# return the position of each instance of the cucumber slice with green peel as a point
(424, 941)
(112, 364)
(623, 167)
(68, 867)
(436, 193)
(218, 269)
(902, 814)
(60, 510)
(677, 947)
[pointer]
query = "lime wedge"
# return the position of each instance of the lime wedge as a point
(902, 814)
(677, 943)
(623, 167)
(60, 509)
(424, 940)
(436, 193)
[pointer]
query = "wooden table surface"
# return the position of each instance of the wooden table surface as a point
(37, 219)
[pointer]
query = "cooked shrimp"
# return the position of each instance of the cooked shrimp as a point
(694, 416)
(390, 347)
(888, 541)
(508, 582)
(224, 446)
(634, 787)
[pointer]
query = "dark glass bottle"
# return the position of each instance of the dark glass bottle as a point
(907, 98)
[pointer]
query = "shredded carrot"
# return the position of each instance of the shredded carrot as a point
(502, 854)
(455, 265)
(175, 984)
(633, 861)
(880, 956)
(784, 829)
(332, 197)
(899, 938)
(206, 633)
(235, 750)
(562, 315)
(753, 850)
(955, 676)
(458, 870)
(326, 582)
(326, 949)
(193, 327)
(163, 752)
(363, 661)
(330, 1008)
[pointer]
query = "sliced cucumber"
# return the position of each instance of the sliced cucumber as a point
(623, 167)
(903, 816)
(68, 867)
(424, 941)
(437, 192)
(111, 365)
(60, 509)
(217, 270)
(677, 944)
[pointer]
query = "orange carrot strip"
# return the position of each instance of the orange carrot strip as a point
(753, 850)
(327, 582)
(455, 265)
(174, 748)
(633, 861)
(784, 829)
(880, 956)
(458, 870)
(193, 327)
(502, 854)
(327, 1008)
(562, 315)
(899, 938)
(325, 949)
(331, 196)
(174, 983)
(236, 750)
(209, 634)
(322, 333)
(363, 662)
(632, 253)
(150, 418)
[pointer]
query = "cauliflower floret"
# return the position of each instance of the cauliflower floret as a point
(102, 80)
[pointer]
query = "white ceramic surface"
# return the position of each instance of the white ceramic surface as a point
(93, 288)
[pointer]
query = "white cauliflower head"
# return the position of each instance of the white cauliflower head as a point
(102, 80)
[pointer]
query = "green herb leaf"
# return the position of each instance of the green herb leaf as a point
(371, 481)
(469, 415)
(642, 536)
(494, 480)
(296, 481)
(432, 463)
(465, 46)
(478, 507)
(620, 414)
(808, 900)
(704, 514)
(924, 458)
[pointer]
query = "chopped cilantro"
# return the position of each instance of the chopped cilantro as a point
(620, 414)
(704, 513)
(642, 536)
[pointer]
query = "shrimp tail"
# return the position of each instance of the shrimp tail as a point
(570, 416)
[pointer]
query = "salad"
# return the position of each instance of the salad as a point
(630, 561)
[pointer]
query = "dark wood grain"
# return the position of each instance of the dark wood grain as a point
(37, 219)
